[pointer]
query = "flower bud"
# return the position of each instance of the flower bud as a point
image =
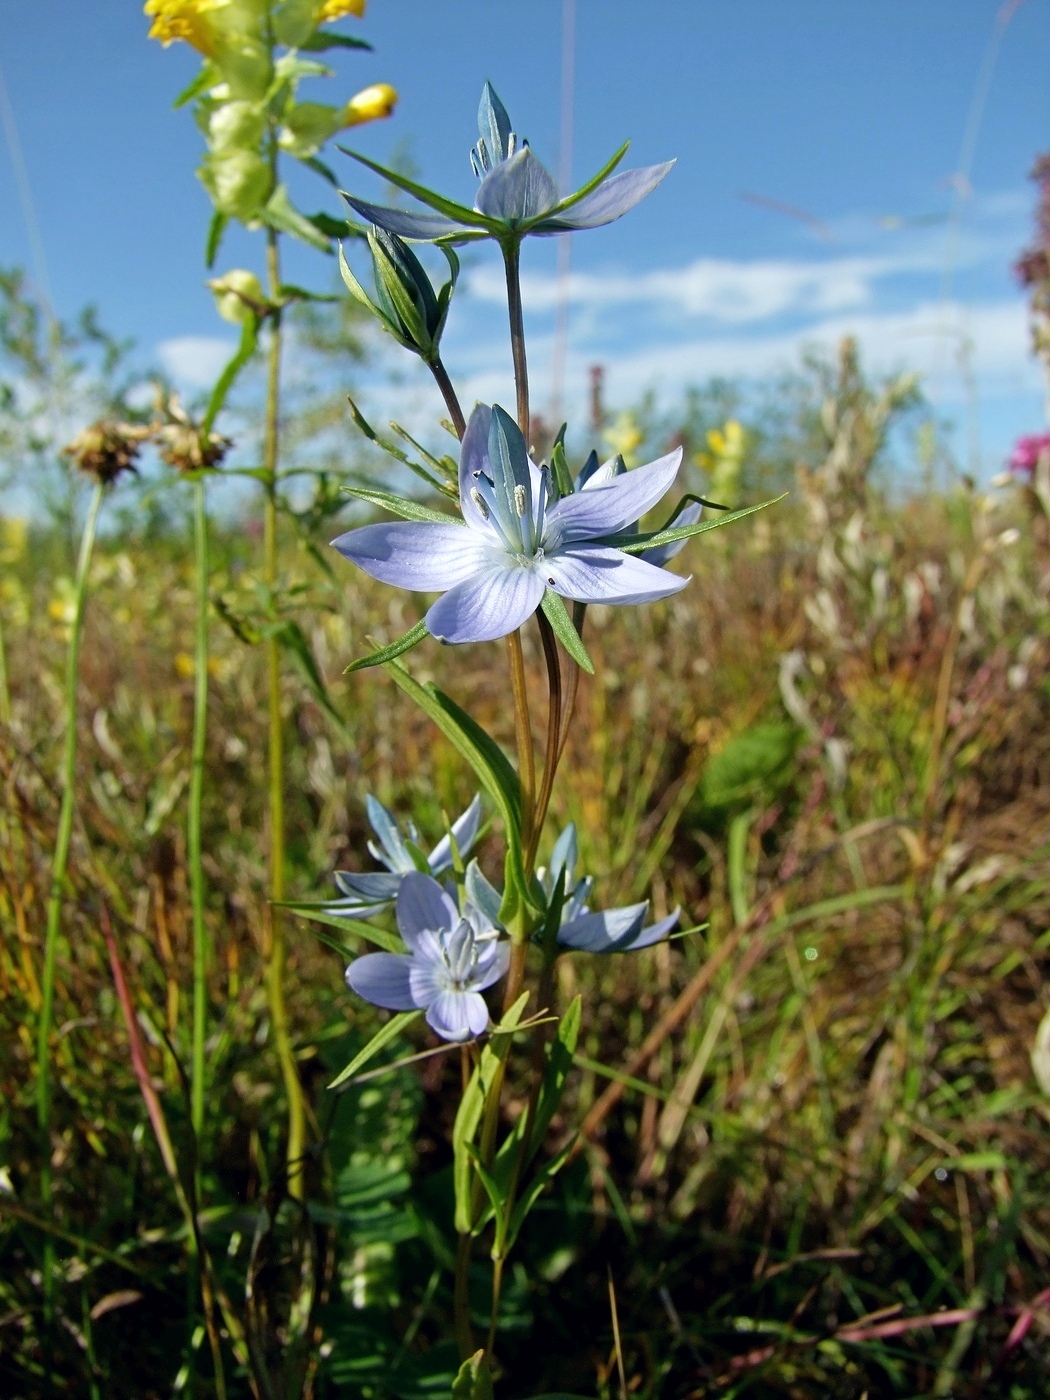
(370, 104)
(406, 304)
(106, 449)
(239, 296)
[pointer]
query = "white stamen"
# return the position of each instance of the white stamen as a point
(519, 501)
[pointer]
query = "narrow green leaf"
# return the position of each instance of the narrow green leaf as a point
(560, 1054)
(557, 614)
(279, 213)
(393, 1028)
(207, 78)
(329, 226)
(462, 215)
(471, 1107)
(325, 172)
(379, 658)
(322, 40)
(216, 229)
(290, 636)
(320, 912)
(225, 382)
(401, 505)
(393, 451)
(289, 292)
(473, 1381)
(636, 544)
(482, 752)
(534, 1190)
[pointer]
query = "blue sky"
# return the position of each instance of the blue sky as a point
(857, 114)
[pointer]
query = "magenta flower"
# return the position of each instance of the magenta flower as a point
(1027, 450)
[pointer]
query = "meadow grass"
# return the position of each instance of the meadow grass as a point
(814, 1158)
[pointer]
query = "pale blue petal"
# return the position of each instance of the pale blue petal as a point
(423, 906)
(654, 933)
(604, 932)
(493, 961)
(496, 601)
(474, 458)
(384, 980)
(418, 555)
(429, 975)
(458, 1015)
(406, 223)
(609, 509)
(517, 189)
(591, 573)
(394, 855)
(613, 198)
(493, 124)
(465, 831)
(564, 855)
(482, 894)
(377, 888)
(663, 552)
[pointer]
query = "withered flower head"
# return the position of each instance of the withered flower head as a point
(106, 449)
(182, 443)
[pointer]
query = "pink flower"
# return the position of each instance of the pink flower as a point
(1026, 453)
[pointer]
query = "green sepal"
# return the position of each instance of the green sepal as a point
(393, 1028)
(473, 1379)
(557, 614)
(592, 184)
(322, 40)
(401, 505)
(388, 653)
(294, 21)
(451, 210)
(225, 381)
(317, 911)
(563, 483)
(637, 544)
(471, 1107)
(289, 292)
(216, 228)
(278, 212)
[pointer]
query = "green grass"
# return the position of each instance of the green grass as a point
(835, 1132)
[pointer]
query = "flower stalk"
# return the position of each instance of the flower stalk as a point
(58, 888)
(194, 822)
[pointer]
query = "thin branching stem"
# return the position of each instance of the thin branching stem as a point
(511, 260)
(193, 824)
(579, 612)
(276, 944)
(523, 735)
(5, 692)
(448, 393)
(58, 886)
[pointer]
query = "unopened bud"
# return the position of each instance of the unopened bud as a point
(371, 104)
(239, 296)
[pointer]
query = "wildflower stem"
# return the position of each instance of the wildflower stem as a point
(193, 825)
(448, 393)
(579, 612)
(58, 881)
(553, 751)
(276, 946)
(5, 693)
(523, 734)
(511, 260)
(461, 1297)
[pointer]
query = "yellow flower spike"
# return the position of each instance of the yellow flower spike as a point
(370, 104)
(183, 19)
(336, 9)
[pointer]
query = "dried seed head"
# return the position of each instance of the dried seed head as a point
(106, 449)
(182, 443)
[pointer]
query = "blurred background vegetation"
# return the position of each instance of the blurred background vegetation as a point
(816, 1154)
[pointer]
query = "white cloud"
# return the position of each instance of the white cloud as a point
(195, 361)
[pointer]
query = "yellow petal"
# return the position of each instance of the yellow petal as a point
(336, 9)
(370, 104)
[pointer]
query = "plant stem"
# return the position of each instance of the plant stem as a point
(553, 751)
(5, 693)
(579, 612)
(523, 734)
(448, 393)
(461, 1297)
(193, 825)
(58, 881)
(276, 949)
(511, 260)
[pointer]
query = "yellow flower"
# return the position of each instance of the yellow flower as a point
(184, 19)
(336, 9)
(14, 534)
(625, 436)
(370, 104)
